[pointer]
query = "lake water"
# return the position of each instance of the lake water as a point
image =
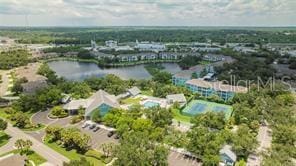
(74, 70)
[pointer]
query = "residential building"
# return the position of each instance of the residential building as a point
(150, 46)
(123, 48)
(245, 50)
(93, 45)
(213, 57)
(180, 78)
(207, 89)
(101, 101)
(128, 57)
(168, 55)
(227, 156)
(111, 43)
(176, 98)
(134, 91)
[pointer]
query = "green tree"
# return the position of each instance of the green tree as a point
(160, 117)
(244, 141)
(137, 149)
(21, 121)
(58, 111)
(3, 124)
(210, 119)
(108, 149)
(17, 87)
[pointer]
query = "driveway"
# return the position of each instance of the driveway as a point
(178, 159)
(264, 139)
(41, 117)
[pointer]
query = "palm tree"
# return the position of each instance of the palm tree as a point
(28, 144)
(20, 144)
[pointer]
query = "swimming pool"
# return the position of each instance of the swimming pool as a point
(149, 104)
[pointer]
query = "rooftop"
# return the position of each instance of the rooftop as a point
(227, 150)
(93, 102)
(134, 91)
(176, 97)
(217, 85)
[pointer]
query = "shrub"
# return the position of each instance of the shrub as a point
(59, 112)
(76, 119)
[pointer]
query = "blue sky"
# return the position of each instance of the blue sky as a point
(147, 12)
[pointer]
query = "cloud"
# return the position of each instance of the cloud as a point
(150, 12)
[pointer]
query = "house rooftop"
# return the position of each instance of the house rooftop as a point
(12, 160)
(187, 74)
(227, 150)
(134, 91)
(176, 97)
(217, 85)
(101, 97)
(98, 98)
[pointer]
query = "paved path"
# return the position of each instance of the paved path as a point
(264, 139)
(5, 82)
(50, 155)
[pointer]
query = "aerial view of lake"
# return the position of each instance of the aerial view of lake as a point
(77, 71)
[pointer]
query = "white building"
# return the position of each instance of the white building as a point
(111, 43)
(150, 46)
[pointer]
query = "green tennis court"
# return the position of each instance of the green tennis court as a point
(199, 106)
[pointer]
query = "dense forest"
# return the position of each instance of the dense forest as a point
(163, 34)
(14, 58)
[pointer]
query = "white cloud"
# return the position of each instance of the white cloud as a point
(148, 12)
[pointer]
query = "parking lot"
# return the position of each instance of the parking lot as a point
(178, 159)
(98, 137)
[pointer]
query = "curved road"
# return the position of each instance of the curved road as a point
(50, 155)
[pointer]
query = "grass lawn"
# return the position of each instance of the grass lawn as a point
(147, 92)
(36, 158)
(4, 138)
(130, 101)
(5, 116)
(31, 155)
(92, 156)
(179, 117)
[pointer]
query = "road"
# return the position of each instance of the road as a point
(50, 155)
(264, 139)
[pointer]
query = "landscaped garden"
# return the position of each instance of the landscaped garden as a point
(4, 138)
(92, 156)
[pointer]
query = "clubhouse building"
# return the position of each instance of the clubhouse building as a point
(100, 100)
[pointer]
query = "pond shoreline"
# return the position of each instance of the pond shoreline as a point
(122, 64)
(78, 70)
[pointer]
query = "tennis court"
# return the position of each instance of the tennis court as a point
(199, 106)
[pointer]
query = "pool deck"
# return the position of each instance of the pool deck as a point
(209, 107)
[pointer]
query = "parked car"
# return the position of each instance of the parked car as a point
(96, 129)
(92, 126)
(110, 133)
(85, 125)
(116, 136)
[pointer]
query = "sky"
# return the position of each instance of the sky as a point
(147, 12)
